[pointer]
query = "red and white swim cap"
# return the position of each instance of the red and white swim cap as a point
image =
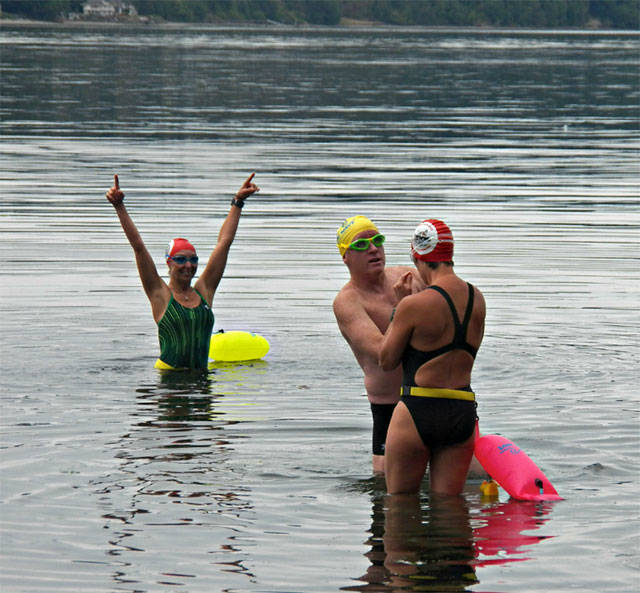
(179, 244)
(432, 241)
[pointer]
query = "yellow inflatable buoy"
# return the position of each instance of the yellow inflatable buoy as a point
(237, 346)
(489, 488)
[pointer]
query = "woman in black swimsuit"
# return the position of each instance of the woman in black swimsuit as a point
(435, 334)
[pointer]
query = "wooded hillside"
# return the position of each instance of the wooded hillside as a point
(614, 14)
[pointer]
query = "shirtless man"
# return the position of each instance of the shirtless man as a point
(363, 309)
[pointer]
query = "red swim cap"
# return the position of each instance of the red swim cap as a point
(432, 241)
(179, 244)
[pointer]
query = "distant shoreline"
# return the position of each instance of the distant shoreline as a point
(161, 23)
(344, 24)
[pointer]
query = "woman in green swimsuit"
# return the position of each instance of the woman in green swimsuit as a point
(182, 312)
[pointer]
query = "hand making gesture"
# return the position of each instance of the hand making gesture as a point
(115, 195)
(247, 189)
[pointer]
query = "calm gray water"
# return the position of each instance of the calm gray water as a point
(256, 478)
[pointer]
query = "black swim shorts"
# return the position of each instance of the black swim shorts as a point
(381, 417)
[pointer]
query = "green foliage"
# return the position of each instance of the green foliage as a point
(44, 10)
(616, 14)
(319, 12)
(612, 12)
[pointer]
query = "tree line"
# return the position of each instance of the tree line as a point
(614, 14)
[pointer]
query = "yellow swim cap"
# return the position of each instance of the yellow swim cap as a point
(350, 228)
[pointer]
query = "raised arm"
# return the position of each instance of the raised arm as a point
(154, 287)
(208, 281)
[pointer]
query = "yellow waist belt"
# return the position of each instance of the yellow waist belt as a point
(438, 392)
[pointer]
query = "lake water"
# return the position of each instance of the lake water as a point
(256, 478)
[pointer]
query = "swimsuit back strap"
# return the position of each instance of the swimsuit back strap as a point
(467, 314)
(460, 329)
(454, 313)
(465, 324)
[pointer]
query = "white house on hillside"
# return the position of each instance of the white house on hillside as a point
(108, 8)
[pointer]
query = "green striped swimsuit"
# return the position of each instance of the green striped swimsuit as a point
(185, 335)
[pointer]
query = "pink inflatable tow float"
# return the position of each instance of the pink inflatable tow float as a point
(512, 468)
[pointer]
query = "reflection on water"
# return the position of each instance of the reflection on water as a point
(499, 536)
(177, 454)
(428, 545)
(184, 398)
(436, 543)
